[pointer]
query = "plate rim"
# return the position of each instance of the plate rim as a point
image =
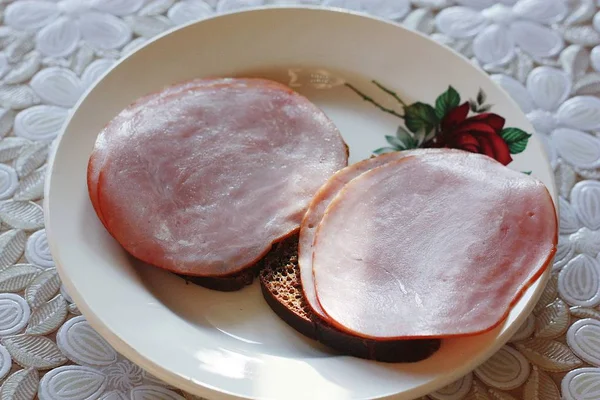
(185, 383)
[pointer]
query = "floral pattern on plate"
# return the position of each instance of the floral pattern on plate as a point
(447, 124)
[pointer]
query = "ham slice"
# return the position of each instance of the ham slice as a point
(317, 208)
(431, 246)
(202, 181)
(101, 148)
(100, 152)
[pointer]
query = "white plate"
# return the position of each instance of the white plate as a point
(223, 345)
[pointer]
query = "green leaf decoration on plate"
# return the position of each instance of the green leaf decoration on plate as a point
(449, 124)
(408, 139)
(446, 102)
(383, 150)
(473, 105)
(516, 139)
(404, 140)
(481, 97)
(420, 116)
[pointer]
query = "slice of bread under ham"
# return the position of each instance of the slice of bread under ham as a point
(202, 178)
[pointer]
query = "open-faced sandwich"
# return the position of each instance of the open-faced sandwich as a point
(219, 180)
(203, 177)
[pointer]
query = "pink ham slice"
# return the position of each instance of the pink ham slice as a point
(317, 208)
(203, 181)
(101, 151)
(439, 245)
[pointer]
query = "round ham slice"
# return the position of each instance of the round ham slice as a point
(100, 151)
(317, 208)
(431, 246)
(101, 148)
(204, 180)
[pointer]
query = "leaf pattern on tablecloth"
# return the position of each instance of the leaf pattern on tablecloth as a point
(31, 158)
(31, 187)
(21, 385)
(24, 69)
(43, 288)
(12, 245)
(48, 317)
(7, 120)
(549, 355)
(540, 386)
(11, 148)
(18, 97)
(17, 277)
(24, 215)
(34, 351)
(553, 320)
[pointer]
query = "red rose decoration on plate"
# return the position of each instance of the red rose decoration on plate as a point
(477, 134)
(446, 124)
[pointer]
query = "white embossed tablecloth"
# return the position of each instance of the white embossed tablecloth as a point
(545, 53)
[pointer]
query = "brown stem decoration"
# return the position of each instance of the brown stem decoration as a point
(370, 100)
(390, 92)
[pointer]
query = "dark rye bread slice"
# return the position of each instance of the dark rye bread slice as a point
(282, 289)
(235, 281)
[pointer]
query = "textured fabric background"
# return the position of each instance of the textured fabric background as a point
(545, 53)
